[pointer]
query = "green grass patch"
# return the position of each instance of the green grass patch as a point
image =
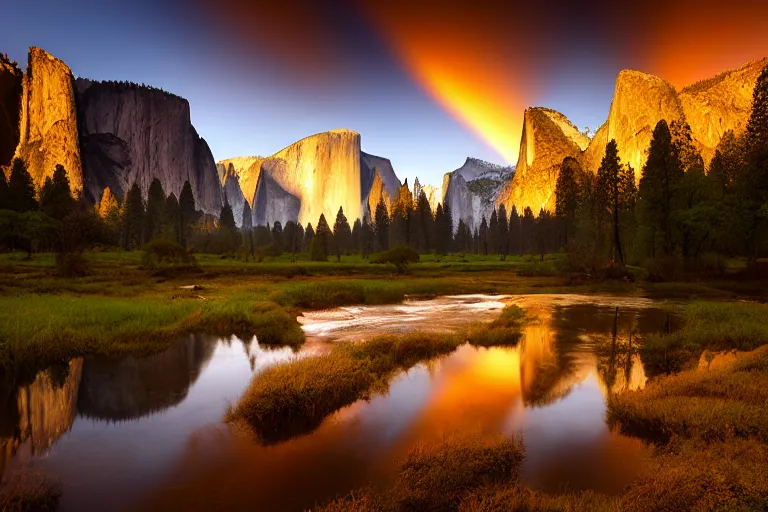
(706, 326)
(504, 330)
(712, 404)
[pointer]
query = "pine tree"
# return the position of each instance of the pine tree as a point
(443, 229)
(289, 237)
(493, 232)
(482, 236)
(502, 231)
(753, 186)
(366, 238)
(567, 196)
(4, 194)
(278, 242)
(355, 243)
(381, 227)
(21, 188)
(187, 212)
(56, 196)
(109, 212)
(227, 218)
(248, 245)
(527, 234)
(341, 234)
(661, 177)
(608, 182)
(132, 218)
(171, 225)
(320, 243)
(463, 237)
(425, 224)
(515, 241)
(153, 216)
(309, 235)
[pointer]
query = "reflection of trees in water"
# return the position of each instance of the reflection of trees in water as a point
(129, 388)
(560, 349)
(38, 412)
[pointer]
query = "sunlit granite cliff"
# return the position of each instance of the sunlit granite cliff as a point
(640, 100)
(48, 119)
(548, 137)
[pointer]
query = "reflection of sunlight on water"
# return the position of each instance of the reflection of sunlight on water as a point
(551, 387)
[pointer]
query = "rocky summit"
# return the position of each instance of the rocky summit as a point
(109, 135)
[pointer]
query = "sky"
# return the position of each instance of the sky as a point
(426, 83)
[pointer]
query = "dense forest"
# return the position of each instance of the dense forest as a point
(679, 217)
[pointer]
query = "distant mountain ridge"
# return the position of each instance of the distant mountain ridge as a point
(112, 134)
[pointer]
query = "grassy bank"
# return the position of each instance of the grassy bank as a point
(713, 405)
(480, 474)
(294, 398)
(711, 326)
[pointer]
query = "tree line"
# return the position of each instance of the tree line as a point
(681, 216)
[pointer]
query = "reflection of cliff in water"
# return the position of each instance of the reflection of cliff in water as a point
(128, 388)
(36, 414)
(565, 344)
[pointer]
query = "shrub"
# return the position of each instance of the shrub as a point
(72, 264)
(161, 254)
(399, 256)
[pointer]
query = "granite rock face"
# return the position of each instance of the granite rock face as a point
(369, 165)
(10, 109)
(472, 190)
(134, 133)
(376, 192)
(548, 137)
(48, 123)
(640, 101)
(311, 177)
(233, 193)
(721, 103)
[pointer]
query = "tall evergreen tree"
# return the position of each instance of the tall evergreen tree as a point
(278, 242)
(515, 241)
(309, 235)
(248, 244)
(21, 188)
(527, 233)
(132, 219)
(321, 242)
(482, 236)
(753, 186)
(187, 212)
(609, 182)
(171, 224)
(153, 216)
(4, 195)
(109, 212)
(227, 218)
(657, 193)
(381, 227)
(366, 238)
(342, 234)
(424, 223)
(355, 245)
(567, 196)
(443, 229)
(56, 196)
(502, 235)
(290, 231)
(463, 241)
(493, 233)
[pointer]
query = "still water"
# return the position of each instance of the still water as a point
(129, 434)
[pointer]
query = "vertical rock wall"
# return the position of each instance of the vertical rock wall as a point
(48, 127)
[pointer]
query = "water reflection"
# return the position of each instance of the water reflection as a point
(175, 452)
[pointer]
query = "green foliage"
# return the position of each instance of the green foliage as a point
(154, 213)
(161, 254)
(72, 264)
(132, 219)
(56, 196)
(342, 234)
(318, 249)
(400, 257)
(188, 214)
(21, 188)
